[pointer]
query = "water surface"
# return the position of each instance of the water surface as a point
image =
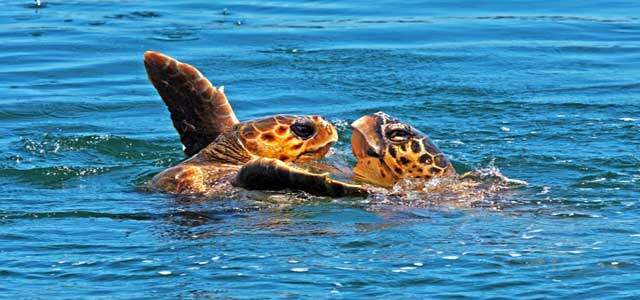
(548, 93)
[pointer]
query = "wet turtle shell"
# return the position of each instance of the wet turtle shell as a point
(387, 151)
(217, 145)
(264, 154)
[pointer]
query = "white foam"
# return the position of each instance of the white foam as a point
(299, 270)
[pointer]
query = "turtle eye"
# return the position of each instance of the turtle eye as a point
(303, 128)
(398, 135)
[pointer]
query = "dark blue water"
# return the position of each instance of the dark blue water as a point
(547, 92)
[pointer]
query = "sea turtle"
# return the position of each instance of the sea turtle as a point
(218, 145)
(387, 151)
(396, 164)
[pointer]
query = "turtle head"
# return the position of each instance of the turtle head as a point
(289, 138)
(388, 150)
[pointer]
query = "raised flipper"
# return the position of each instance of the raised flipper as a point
(273, 174)
(199, 111)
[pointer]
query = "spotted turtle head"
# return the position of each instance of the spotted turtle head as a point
(388, 150)
(288, 138)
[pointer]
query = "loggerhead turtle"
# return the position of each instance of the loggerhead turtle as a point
(387, 150)
(218, 145)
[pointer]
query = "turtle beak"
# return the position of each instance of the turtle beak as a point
(366, 138)
(332, 132)
(326, 136)
(368, 144)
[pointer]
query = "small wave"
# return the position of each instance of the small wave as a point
(481, 187)
(52, 177)
(114, 146)
(574, 215)
(292, 26)
(37, 110)
(176, 35)
(604, 180)
(81, 214)
(608, 88)
(36, 5)
(495, 175)
(286, 50)
(136, 15)
(398, 21)
(548, 18)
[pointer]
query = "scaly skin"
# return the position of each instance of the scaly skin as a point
(214, 166)
(217, 144)
(389, 150)
(222, 150)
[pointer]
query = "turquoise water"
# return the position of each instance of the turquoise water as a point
(546, 92)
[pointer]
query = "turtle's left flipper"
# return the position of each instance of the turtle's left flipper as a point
(273, 174)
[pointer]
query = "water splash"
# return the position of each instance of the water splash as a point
(481, 187)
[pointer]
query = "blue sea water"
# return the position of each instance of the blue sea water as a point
(546, 92)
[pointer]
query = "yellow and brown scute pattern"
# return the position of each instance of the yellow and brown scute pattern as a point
(288, 138)
(388, 150)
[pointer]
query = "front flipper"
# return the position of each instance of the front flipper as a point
(200, 111)
(273, 174)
